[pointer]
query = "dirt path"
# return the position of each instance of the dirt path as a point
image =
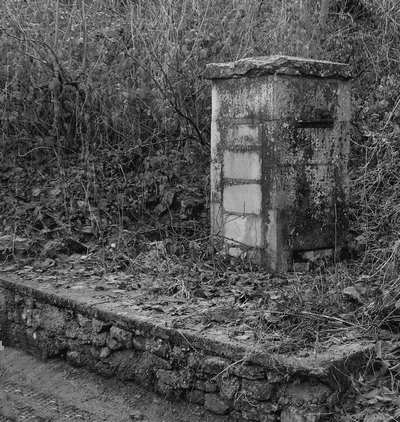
(32, 390)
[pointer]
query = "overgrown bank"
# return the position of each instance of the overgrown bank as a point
(105, 115)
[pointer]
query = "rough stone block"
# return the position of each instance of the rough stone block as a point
(124, 364)
(158, 346)
(167, 377)
(194, 360)
(74, 357)
(147, 367)
(242, 199)
(72, 330)
(172, 383)
(103, 368)
(19, 299)
(214, 365)
(250, 410)
(99, 326)
(257, 390)
(229, 387)
(114, 344)
(294, 414)
(99, 339)
(29, 302)
(168, 391)
(247, 231)
(215, 404)
(84, 322)
(306, 392)
(195, 396)
(250, 372)
(51, 348)
(105, 352)
(78, 357)
(209, 386)
(119, 338)
(95, 352)
(13, 315)
(179, 355)
(178, 379)
(242, 165)
(26, 316)
(139, 343)
(36, 318)
(52, 320)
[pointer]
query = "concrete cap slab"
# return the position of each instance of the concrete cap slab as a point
(280, 65)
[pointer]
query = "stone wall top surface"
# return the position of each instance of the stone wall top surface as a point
(281, 65)
(93, 304)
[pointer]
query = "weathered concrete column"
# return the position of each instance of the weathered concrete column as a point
(279, 152)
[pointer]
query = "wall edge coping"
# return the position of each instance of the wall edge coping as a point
(278, 65)
(316, 366)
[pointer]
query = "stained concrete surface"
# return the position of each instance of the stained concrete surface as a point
(279, 152)
(33, 390)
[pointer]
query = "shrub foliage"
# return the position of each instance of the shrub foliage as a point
(105, 114)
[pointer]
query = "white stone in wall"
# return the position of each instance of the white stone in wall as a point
(246, 230)
(243, 199)
(242, 165)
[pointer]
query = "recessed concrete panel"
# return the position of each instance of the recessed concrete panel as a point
(242, 165)
(243, 135)
(304, 100)
(287, 143)
(243, 230)
(242, 199)
(246, 101)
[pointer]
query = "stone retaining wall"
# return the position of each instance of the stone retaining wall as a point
(176, 364)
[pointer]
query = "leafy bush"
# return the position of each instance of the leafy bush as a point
(104, 103)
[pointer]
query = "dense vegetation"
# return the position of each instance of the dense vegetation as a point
(105, 114)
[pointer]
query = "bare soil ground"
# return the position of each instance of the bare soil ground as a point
(36, 391)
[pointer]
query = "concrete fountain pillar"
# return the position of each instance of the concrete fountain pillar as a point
(279, 153)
